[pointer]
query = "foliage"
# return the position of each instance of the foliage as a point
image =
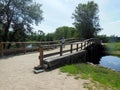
(86, 19)
(36, 36)
(103, 75)
(66, 32)
(16, 17)
(113, 48)
(50, 37)
(104, 38)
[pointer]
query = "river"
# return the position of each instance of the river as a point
(112, 62)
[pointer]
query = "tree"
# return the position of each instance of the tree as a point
(17, 15)
(86, 19)
(36, 36)
(66, 32)
(50, 37)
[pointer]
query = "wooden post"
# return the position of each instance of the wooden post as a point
(61, 50)
(1, 49)
(84, 44)
(24, 48)
(71, 47)
(77, 47)
(41, 55)
(81, 45)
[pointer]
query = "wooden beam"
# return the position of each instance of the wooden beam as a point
(1, 49)
(61, 50)
(77, 47)
(41, 55)
(71, 48)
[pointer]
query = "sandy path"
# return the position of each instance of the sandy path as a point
(16, 73)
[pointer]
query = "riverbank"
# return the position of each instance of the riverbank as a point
(113, 48)
(102, 78)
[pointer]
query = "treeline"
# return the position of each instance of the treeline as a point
(110, 39)
(61, 32)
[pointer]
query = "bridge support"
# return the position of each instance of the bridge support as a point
(94, 53)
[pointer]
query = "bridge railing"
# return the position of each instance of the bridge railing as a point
(24, 47)
(72, 48)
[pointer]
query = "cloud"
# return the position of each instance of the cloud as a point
(59, 12)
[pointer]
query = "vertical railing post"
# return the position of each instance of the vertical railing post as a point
(81, 45)
(77, 47)
(1, 49)
(24, 47)
(61, 50)
(71, 48)
(84, 44)
(41, 55)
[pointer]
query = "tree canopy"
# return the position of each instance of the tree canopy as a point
(86, 19)
(66, 32)
(16, 18)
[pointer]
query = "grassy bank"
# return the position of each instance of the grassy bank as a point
(113, 48)
(108, 79)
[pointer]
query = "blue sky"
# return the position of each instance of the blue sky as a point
(58, 13)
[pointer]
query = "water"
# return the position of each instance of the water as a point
(112, 62)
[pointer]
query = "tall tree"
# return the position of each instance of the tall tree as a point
(17, 15)
(65, 31)
(86, 19)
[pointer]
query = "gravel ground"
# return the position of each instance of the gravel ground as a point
(16, 73)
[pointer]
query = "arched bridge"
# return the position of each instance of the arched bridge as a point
(89, 50)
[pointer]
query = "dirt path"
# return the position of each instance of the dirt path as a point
(16, 73)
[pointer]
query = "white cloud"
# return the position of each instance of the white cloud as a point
(59, 12)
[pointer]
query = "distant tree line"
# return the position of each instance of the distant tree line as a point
(61, 32)
(106, 39)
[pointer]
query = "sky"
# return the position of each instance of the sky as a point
(58, 13)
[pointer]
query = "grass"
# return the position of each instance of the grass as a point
(108, 79)
(113, 48)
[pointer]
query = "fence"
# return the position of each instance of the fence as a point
(77, 47)
(24, 47)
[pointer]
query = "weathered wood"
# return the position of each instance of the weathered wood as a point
(24, 48)
(41, 55)
(61, 50)
(1, 49)
(71, 48)
(66, 59)
(77, 47)
(81, 46)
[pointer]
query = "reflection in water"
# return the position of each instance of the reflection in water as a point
(112, 62)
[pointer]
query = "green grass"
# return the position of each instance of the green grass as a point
(113, 48)
(106, 77)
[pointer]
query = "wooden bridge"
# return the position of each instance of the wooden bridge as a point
(53, 55)
(89, 50)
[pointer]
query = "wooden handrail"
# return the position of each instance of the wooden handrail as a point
(23, 46)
